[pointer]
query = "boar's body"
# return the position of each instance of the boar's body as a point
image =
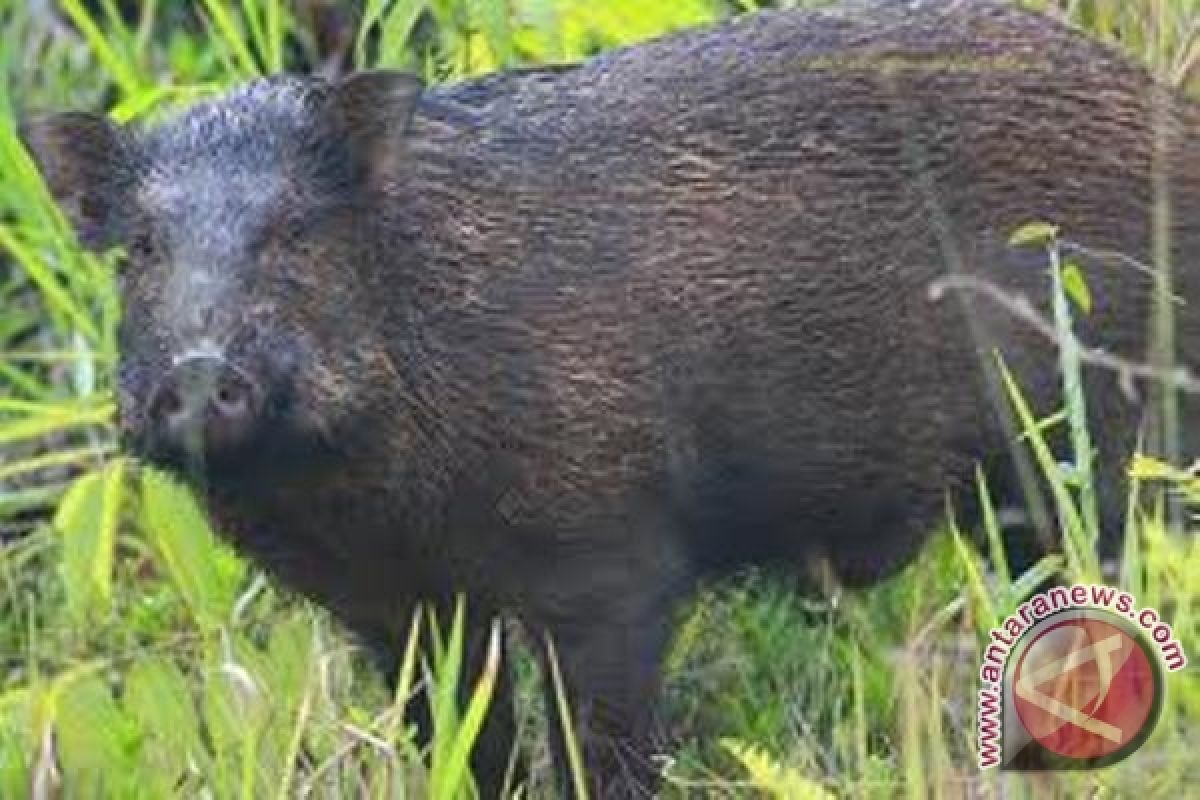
(692, 282)
(606, 329)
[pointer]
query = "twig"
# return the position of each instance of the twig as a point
(1114, 255)
(1018, 305)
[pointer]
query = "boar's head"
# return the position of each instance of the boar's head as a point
(246, 331)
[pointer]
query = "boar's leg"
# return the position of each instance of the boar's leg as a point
(610, 674)
(607, 615)
(493, 751)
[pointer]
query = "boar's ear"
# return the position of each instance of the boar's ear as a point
(84, 160)
(375, 108)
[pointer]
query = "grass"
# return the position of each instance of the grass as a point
(142, 659)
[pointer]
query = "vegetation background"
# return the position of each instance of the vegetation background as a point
(140, 658)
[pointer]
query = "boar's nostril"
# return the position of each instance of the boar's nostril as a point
(233, 396)
(168, 402)
(204, 405)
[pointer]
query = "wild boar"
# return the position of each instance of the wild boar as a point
(568, 340)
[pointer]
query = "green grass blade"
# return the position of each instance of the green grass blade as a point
(452, 775)
(371, 14)
(404, 681)
(123, 73)
(1071, 370)
(55, 421)
(570, 739)
(58, 300)
(231, 37)
(991, 526)
(1081, 561)
(444, 699)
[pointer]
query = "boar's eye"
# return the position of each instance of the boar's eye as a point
(143, 249)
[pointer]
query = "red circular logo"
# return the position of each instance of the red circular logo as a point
(1085, 688)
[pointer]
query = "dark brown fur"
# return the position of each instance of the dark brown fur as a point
(581, 336)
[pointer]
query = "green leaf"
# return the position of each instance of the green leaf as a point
(619, 22)
(158, 698)
(372, 11)
(395, 31)
(1075, 285)
(493, 19)
(95, 740)
(16, 741)
(87, 518)
(235, 710)
(1033, 234)
(193, 557)
(292, 652)
(769, 776)
(1146, 468)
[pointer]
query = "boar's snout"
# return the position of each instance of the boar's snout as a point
(202, 409)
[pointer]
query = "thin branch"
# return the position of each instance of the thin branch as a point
(1018, 305)
(1121, 258)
